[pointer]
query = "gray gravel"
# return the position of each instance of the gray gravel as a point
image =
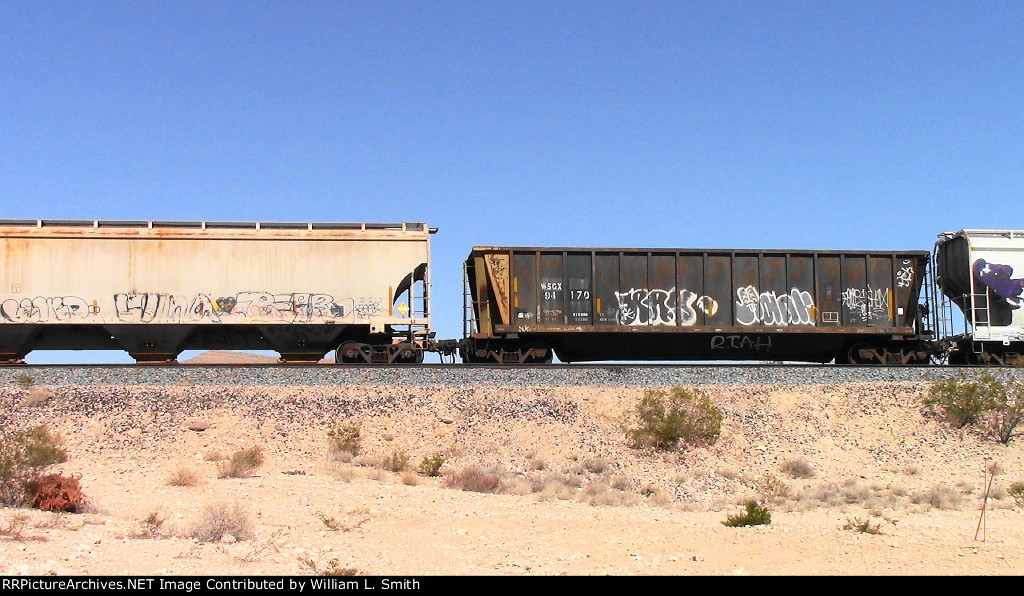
(460, 375)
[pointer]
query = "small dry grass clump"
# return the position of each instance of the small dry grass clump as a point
(351, 520)
(242, 463)
(37, 395)
(183, 477)
(217, 521)
(771, 488)
(398, 461)
(939, 497)
(151, 526)
(214, 455)
(798, 468)
(475, 479)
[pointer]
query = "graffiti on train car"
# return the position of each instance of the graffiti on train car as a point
(42, 309)
(158, 307)
(769, 308)
(1000, 279)
(867, 303)
(658, 307)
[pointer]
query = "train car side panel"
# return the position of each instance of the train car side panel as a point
(670, 304)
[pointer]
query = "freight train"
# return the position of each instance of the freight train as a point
(362, 292)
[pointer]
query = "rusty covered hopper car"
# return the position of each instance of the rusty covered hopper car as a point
(652, 304)
(154, 289)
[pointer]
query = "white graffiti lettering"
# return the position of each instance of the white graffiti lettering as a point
(767, 308)
(867, 303)
(905, 276)
(658, 307)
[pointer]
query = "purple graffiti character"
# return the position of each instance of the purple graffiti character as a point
(999, 279)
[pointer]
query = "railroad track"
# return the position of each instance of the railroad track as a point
(478, 375)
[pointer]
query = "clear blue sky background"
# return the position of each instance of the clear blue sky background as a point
(813, 125)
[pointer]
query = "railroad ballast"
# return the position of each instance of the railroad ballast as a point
(362, 291)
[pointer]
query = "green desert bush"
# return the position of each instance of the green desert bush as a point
(663, 419)
(1016, 491)
(996, 405)
(344, 437)
(754, 514)
(24, 456)
(431, 465)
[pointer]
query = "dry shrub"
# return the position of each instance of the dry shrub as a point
(600, 494)
(54, 492)
(939, 497)
(398, 461)
(242, 463)
(219, 520)
(37, 395)
(798, 468)
(183, 477)
(475, 479)
(771, 487)
(151, 526)
(16, 526)
(596, 465)
(214, 455)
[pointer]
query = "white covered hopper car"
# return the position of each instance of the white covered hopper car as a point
(155, 289)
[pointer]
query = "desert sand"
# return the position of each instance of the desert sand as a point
(575, 497)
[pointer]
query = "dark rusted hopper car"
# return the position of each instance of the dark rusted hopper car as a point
(588, 304)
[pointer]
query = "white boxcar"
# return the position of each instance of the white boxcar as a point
(154, 288)
(982, 272)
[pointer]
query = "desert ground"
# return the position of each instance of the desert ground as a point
(860, 479)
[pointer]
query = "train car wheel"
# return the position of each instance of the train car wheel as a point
(351, 352)
(861, 353)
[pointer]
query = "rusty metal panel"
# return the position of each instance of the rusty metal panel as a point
(694, 304)
(830, 290)
(606, 288)
(718, 285)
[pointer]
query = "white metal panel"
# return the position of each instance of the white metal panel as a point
(198, 273)
(997, 277)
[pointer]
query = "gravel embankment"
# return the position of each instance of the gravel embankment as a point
(469, 376)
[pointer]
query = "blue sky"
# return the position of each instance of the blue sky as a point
(810, 125)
